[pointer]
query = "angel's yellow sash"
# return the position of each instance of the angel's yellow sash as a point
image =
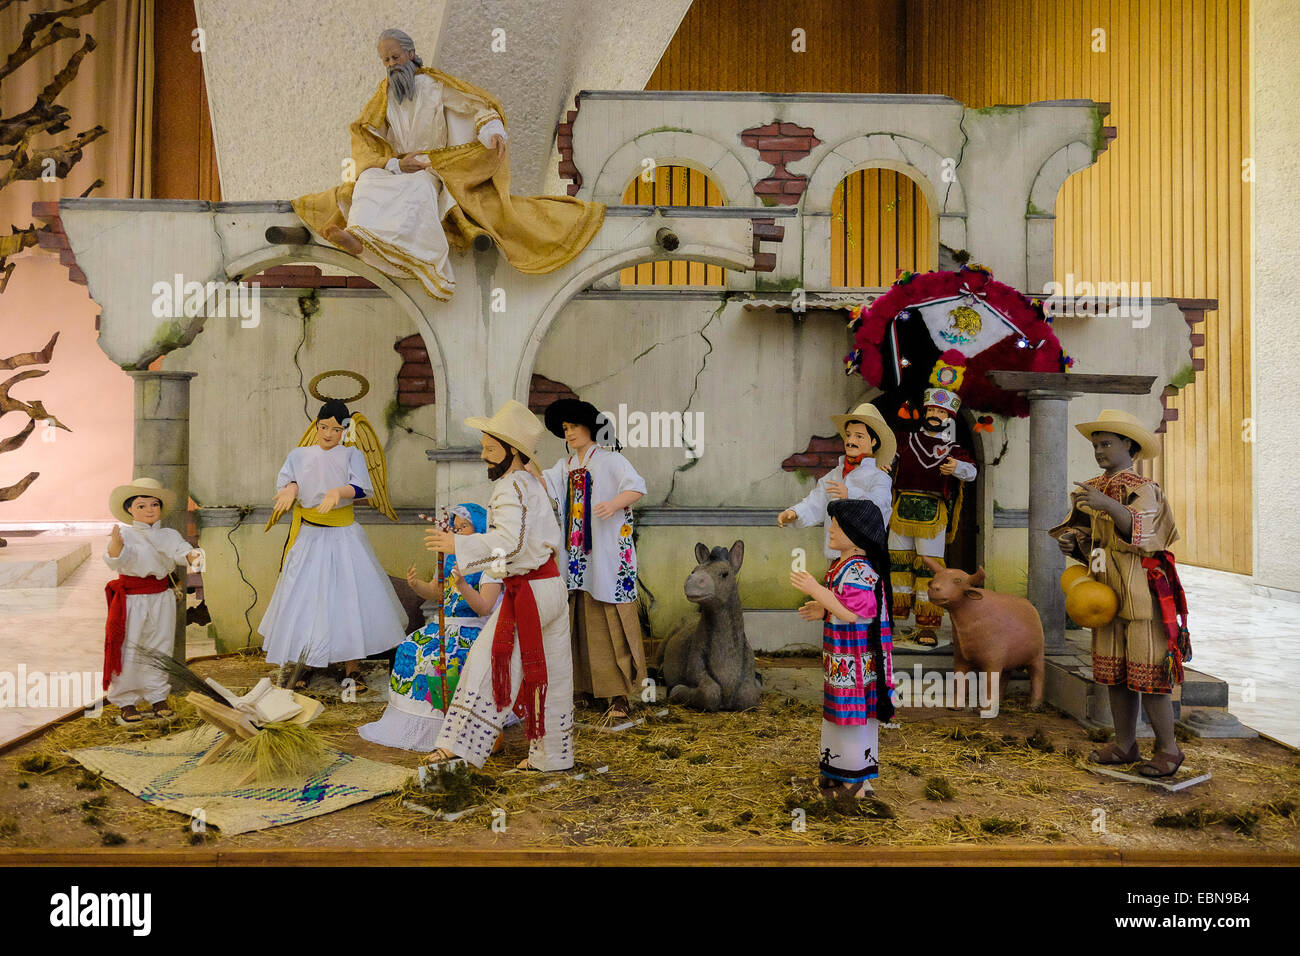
(339, 517)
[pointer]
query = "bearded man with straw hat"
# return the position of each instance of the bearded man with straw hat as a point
(861, 472)
(141, 602)
(522, 660)
(1141, 651)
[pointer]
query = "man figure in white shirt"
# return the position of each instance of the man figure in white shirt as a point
(862, 472)
(522, 660)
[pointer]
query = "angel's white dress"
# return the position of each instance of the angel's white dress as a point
(333, 597)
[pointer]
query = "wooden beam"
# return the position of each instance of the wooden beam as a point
(1071, 382)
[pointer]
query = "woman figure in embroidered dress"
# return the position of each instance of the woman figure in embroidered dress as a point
(594, 489)
(141, 602)
(856, 646)
(333, 601)
(415, 708)
(1140, 653)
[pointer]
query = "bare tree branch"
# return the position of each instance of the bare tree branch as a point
(15, 442)
(13, 491)
(31, 358)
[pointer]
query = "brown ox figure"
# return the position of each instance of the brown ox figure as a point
(992, 632)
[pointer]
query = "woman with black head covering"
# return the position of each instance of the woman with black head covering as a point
(594, 488)
(856, 646)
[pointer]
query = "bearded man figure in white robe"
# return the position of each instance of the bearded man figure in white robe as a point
(417, 152)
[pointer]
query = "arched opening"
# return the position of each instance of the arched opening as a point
(880, 223)
(673, 186)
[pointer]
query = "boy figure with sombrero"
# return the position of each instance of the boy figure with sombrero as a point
(521, 661)
(141, 602)
(1141, 652)
(862, 472)
(928, 481)
(333, 602)
(594, 489)
(856, 646)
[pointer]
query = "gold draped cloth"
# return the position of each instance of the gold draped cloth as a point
(537, 234)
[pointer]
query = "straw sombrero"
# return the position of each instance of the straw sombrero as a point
(1122, 423)
(513, 424)
(141, 486)
(866, 412)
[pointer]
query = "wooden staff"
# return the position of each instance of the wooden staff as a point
(440, 522)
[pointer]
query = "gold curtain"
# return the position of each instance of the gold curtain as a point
(113, 88)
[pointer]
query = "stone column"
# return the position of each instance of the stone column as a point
(1049, 493)
(162, 450)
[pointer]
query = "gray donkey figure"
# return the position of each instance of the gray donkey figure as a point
(711, 667)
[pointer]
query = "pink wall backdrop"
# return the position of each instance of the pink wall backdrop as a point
(83, 388)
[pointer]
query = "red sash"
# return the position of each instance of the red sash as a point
(1168, 590)
(115, 630)
(519, 613)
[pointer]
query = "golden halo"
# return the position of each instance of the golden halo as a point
(346, 373)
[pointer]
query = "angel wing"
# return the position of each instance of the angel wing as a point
(365, 439)
(308, 438)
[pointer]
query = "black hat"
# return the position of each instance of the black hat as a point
(860, 520)
(577, 412)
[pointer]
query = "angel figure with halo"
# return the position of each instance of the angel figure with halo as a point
(333, 602)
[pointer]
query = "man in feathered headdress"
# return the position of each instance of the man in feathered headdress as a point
(429, 156)
(927, 505)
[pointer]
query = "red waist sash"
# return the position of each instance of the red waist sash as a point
(519, 613)
(115, 629)
(1162, 575)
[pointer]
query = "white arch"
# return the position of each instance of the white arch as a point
(261, 259)
(674, 148)
(728, 258)
(918, 160)
(1040, 210)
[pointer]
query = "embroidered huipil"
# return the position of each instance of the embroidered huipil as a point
(850, 682)
(600, 557)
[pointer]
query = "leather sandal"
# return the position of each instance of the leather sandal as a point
(163, 711)
(130, 715)
(1162, 764)
(1112, 754)
(927, 638)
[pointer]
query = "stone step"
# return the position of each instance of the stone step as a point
(41, 562)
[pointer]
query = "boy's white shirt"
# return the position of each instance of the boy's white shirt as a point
(149, 551)
(522, 533)
(865, 481)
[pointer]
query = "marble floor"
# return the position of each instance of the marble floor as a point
(59, 631)
(1250, 641)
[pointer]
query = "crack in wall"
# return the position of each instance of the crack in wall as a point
(704, 362)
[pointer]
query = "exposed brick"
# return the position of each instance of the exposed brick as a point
(45, 209)
(787, 156)
(770, 129)
(795, 186)
(563, 142)
(66, 258)
(568, 169)
(324, 282)
(793, 129)
(773, 156)
(564, 129)
(52, 240)
(572, 189)
(769, 187)
(800, 461)
(571, 116)
(77, 276)
(360, 282)
(414, 399)
(830, 443)
(803, 144)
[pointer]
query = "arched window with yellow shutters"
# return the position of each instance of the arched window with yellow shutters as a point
(880, 223)
(673, 186)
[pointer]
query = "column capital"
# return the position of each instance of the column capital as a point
(160, 373)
